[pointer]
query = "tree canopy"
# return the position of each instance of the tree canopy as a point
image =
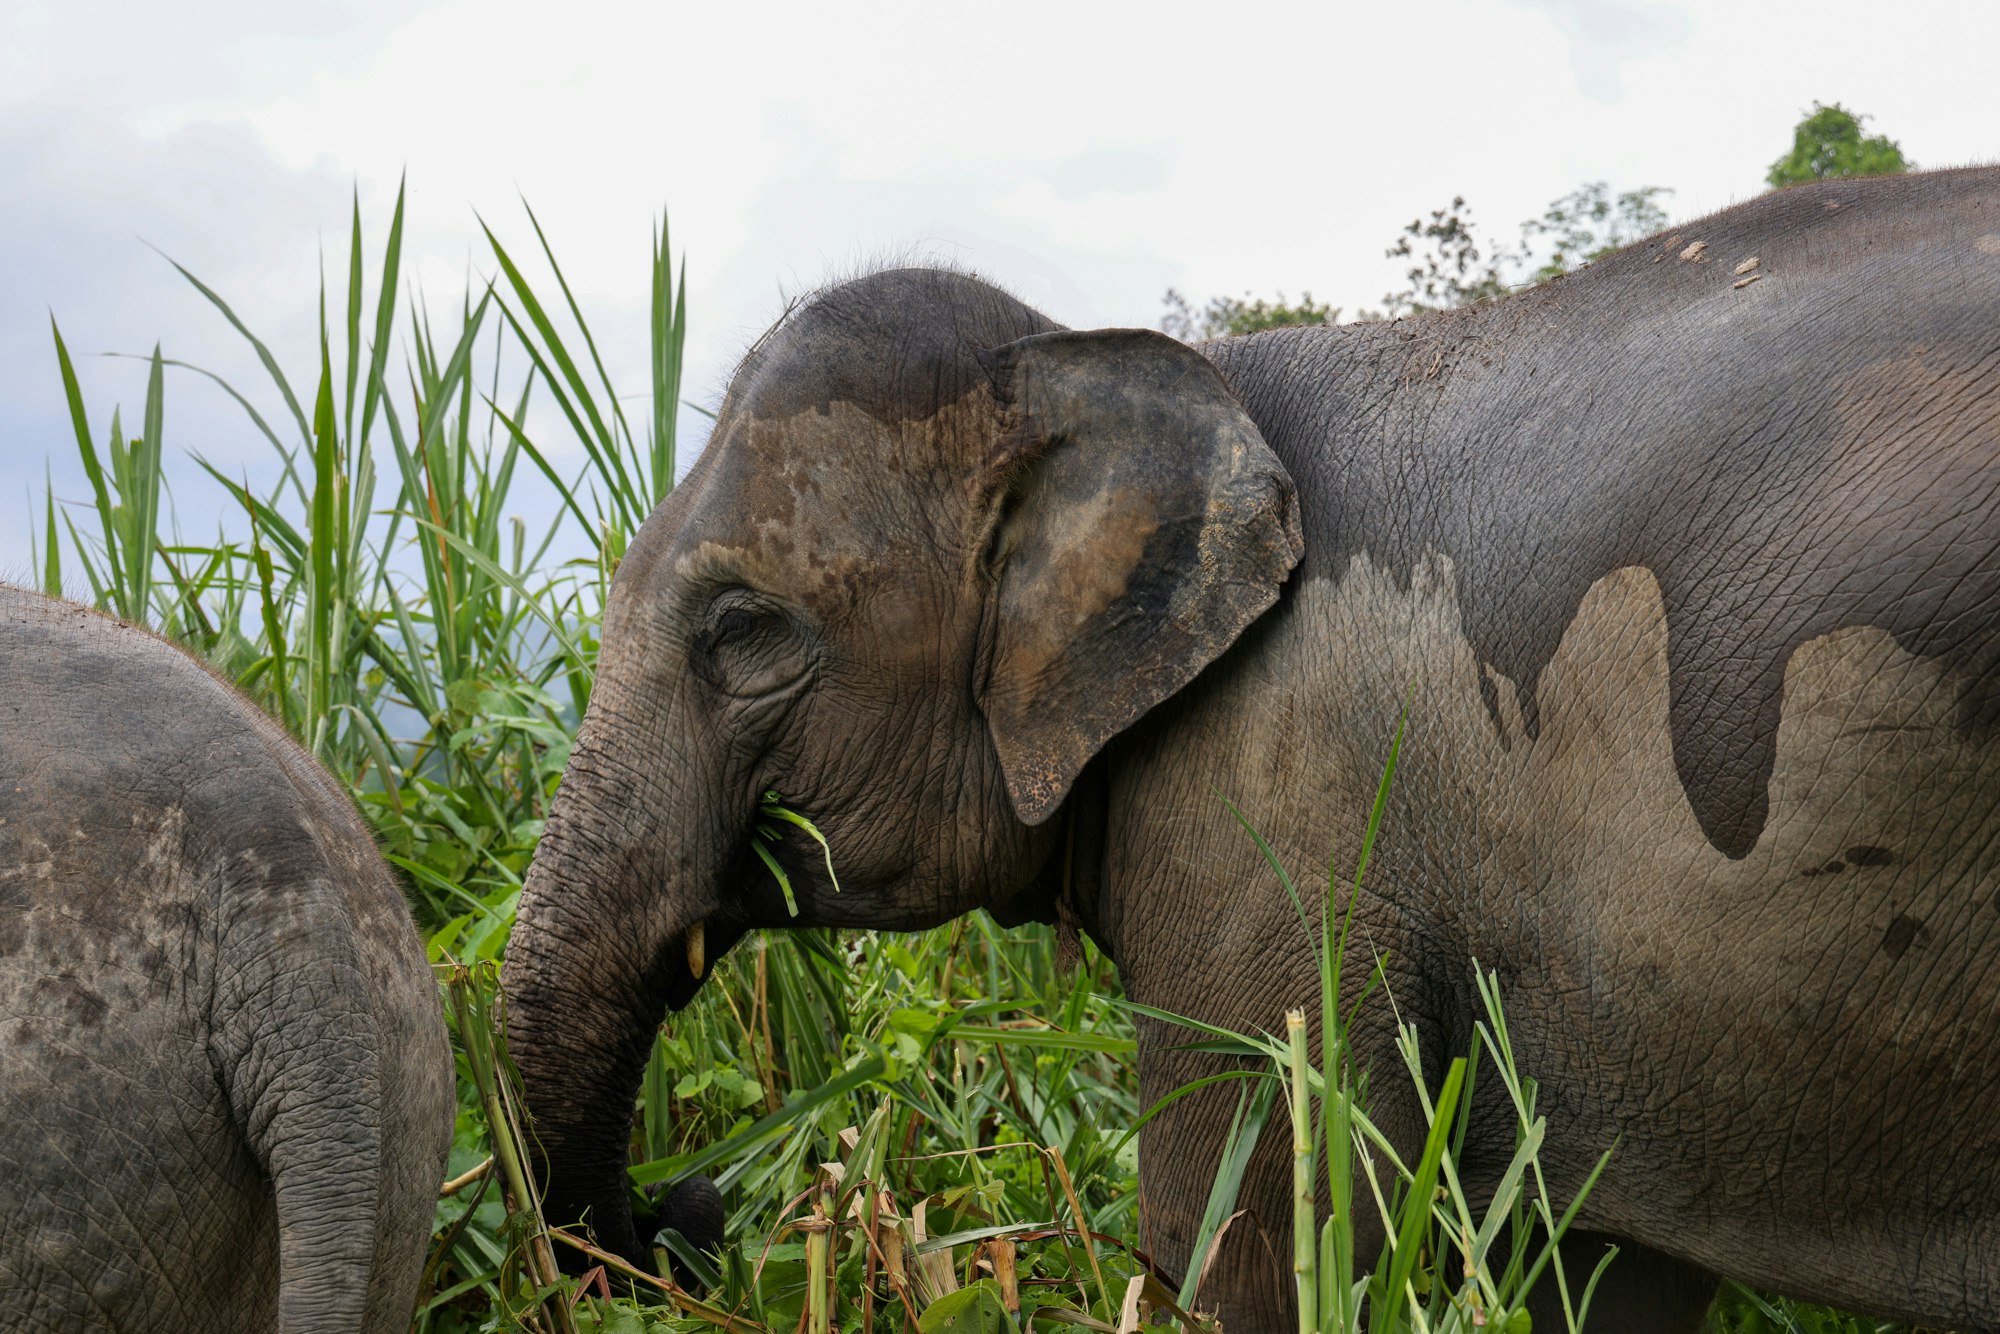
(1829, 142)
(1225, 316)
(1452, 264)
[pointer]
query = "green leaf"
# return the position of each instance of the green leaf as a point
(778, 874)
(606, 1318)
(778, 1123)
(1829, 143)
(270, 362)
(974, 1310)
(1401, 1263)
(52, 553)
(773, 806)
(94, 470)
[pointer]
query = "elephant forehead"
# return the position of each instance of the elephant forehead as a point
(832, 483)
(829, 586)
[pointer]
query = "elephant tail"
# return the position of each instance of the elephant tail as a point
(330, 1043)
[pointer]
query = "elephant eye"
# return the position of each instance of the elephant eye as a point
(734, 623)
(730, 625)
(748, 647)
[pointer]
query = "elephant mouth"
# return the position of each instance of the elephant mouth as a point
(690, 957)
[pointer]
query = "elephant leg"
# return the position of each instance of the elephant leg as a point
(1248, 1281)
(1644, 1291)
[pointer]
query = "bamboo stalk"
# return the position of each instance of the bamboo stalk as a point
(476, 1035)
(819, 1254)
(1305, 1247)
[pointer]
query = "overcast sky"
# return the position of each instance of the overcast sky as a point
(1089, 156)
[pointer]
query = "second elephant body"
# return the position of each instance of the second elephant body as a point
(223, 1064)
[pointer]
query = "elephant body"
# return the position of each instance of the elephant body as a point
(1690, 585)
(227, 1089)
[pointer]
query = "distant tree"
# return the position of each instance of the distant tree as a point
(1225, 316)
(1829, 142)
(1452, 265)
(1451, 268)
(1588, 223)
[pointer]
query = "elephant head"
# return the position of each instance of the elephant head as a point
(936, 554)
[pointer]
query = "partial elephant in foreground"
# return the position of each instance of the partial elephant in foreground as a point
(227, 1092)
(1693, 558)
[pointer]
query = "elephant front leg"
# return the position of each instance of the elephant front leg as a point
(1247, 1273)
(1247, 1276)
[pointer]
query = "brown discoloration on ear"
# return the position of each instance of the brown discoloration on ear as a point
(1089, 552)
(1151, 524)
(1107, 542)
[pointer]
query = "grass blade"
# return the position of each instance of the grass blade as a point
(270, 362)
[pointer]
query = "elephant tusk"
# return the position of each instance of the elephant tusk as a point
(696, 943)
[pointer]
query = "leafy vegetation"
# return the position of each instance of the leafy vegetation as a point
(1451, 264)
(1587, 224)
(931, 1131)
(1829, 143)
(1225, 316)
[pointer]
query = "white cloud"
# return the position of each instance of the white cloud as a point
(1604, 34)
(82, 192)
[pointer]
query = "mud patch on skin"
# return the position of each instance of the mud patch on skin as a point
(1591, 801)
(1575, 853)
(826, 509)
(1904, 931)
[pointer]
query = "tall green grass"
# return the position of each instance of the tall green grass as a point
(909, 1131)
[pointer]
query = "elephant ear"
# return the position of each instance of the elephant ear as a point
(1143, 523)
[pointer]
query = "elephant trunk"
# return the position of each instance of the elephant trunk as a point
(598, 953)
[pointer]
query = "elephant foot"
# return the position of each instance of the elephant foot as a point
(692, 1208)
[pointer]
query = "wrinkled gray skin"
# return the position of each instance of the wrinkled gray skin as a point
(1698, 583)
(226, 1086)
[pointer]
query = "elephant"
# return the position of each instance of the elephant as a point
(223, 1060)
(1685, 567)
